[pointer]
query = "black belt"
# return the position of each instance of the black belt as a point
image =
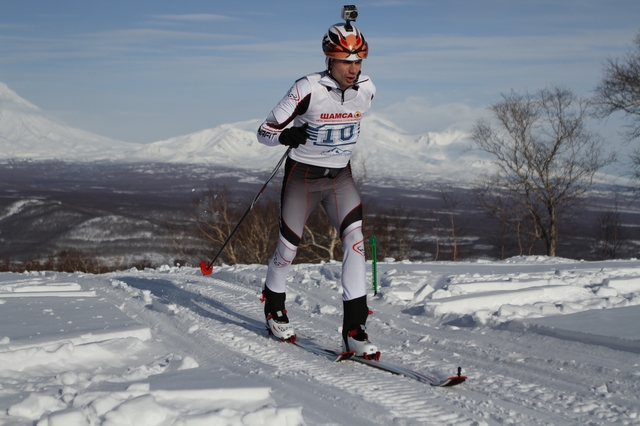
(315, 172)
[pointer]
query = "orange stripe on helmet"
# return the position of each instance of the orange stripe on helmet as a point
(339, 43)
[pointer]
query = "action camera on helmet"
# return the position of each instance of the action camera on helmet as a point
(349, 13)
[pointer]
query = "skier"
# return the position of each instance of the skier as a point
(326, 109)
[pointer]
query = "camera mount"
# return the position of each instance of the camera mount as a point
(349, 14)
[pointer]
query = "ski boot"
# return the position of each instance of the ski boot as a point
(357, 340)
(354, 337)
(276, 316)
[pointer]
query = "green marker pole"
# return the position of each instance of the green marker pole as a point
(374, 266)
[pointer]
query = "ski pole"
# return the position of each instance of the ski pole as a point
(374, 265)
(207, 267)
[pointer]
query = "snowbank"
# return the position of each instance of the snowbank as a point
(495, 298)
(80, 342)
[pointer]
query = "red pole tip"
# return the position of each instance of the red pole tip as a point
(206, 268)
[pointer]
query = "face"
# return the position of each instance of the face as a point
(345, 72)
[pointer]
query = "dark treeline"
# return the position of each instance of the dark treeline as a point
(447, 224)
(451, 228)
(72, 260)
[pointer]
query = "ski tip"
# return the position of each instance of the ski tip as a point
(372, 357)
(291, 339)
(205, 268)
(451, 381)
(343, 356)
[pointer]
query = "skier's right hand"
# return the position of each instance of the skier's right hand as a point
(294, 136)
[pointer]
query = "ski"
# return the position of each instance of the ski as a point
(337, 356)
(382, 365)
(415, 375)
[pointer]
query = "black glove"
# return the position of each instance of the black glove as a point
(294, 136)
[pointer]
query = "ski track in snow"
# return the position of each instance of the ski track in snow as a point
(402, 397)
(516, 375)
(508, 383)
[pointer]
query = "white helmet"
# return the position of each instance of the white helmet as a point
(345, 42)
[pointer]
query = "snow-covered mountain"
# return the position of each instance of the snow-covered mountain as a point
(231, 145)
(388, 150)
(26, 132)
(384, 149)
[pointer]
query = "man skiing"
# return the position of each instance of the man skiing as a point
(326, 109)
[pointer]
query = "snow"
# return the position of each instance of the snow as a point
(17, 206)
(542, 340)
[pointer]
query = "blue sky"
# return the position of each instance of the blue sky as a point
(147, 70)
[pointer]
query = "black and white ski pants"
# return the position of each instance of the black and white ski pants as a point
(303, 188)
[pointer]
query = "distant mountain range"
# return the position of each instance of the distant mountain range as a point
(26, 132)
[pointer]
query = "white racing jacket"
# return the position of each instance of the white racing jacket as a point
(333, 116)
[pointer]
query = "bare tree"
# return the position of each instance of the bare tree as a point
(619, 90)
(610, 233)
(320, 239)
(546, 158)
(182, 237)
(258, 233)
(451, 202)
(517, 229)
(396, 231)
(215, 216)
(434, 222)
